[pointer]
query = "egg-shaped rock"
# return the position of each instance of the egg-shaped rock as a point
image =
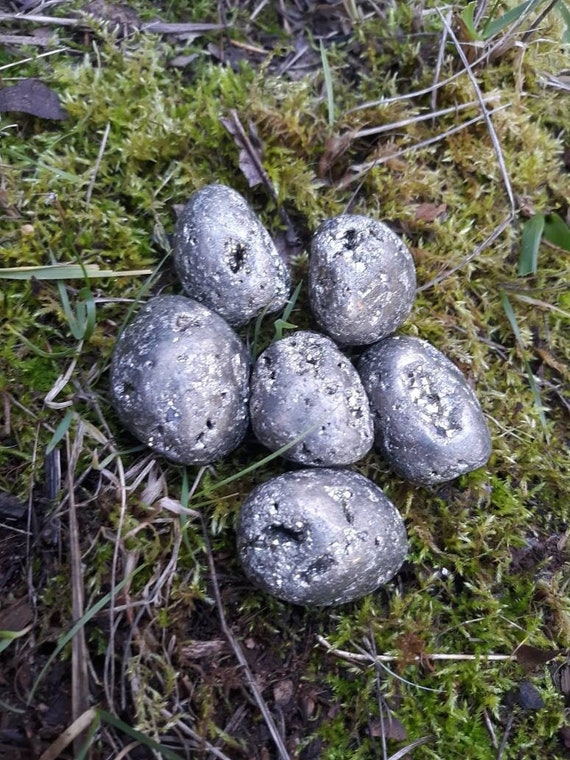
(180, 381)
(428, 423)
(304, 384)
(362, 279)
(226, 259)
(320, 537)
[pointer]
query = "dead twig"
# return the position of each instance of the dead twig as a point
(369, 131)
(372, 659)
(154, 27)
(497, 232)
(252, 685)
(484, 111)
(97, 164)
(361, 170)
(200, 741)
(79, 652)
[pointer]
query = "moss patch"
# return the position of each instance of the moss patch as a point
(488, 566)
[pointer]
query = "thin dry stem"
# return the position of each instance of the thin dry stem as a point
(369, 131)
(363, 169)
(252, 685)
(485, 112)
(379, 658)
(79, 651)
(497, 232)
(97, 166)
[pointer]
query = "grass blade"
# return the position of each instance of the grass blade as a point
(557, 232)
(494, 26)
(66, 638)
(467, 15)
(328, 84)
(66, 272)
(511, 316)
(60, 431)
(565, 13)
(141, 738)
(530, 243)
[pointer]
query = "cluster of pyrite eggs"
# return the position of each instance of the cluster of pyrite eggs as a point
(181, 382)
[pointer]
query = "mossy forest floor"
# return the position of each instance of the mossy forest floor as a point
(122, 603)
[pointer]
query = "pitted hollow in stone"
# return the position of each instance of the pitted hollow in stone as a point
(306, 393)
(428, 423)
(361, 279)
(320, 536)
(180, 381)
(226, 259)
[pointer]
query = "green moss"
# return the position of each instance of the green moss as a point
(77, 194)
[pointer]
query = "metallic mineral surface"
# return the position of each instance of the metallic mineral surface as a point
(362, 279)
(180, 381)
(320, 537)
(304, 383)
(428, 423)
(226, 259)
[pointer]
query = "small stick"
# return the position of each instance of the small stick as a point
(362, 169)
(499, 229)
(200, 741)
(97, 164)
(283, 754)
(369, 658)
(79, 653)
(438, 66)
(486, 114)
(413, 119)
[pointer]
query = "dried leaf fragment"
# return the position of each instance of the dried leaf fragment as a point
(249, 158)
(532, 658)
(389, 727)
(429, 212)
(33, 97)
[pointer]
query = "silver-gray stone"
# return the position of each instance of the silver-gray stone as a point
(180, 381)
(226, 259)
(362, 279)
(303, 383)
(428, 422)
(320, 537)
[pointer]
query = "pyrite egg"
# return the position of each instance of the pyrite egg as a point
(362, 279)
(304, 383)
(320, 537)
(226, 259)
(428, 423)
(180, 381)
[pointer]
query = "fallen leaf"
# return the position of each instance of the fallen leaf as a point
(390, 727)
(17, 616)
(11, 506)
(429, 212)
(33, 97)
(335, 147)
(195, 650)
(283, 692)
(118, 16)
(249, 158)
(532, 658)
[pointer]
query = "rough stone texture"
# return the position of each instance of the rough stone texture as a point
(428, 422)
(362, 279)
(226, 259)
(320, 537)
(304, 383)
(180, 381)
